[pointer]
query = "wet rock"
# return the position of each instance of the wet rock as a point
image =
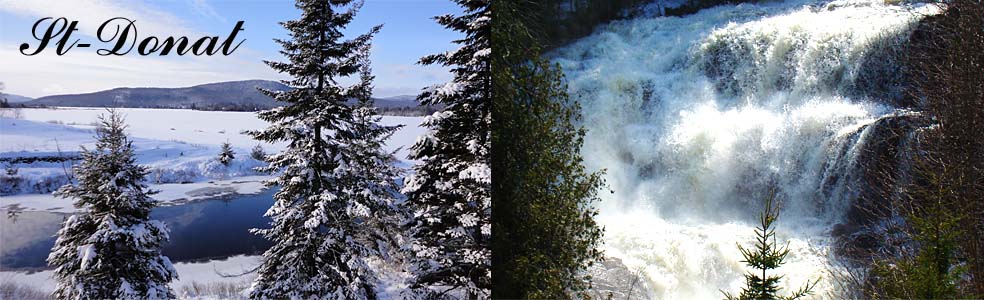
(881, 167)
(613, 280)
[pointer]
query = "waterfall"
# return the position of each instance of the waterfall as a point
(696, 119)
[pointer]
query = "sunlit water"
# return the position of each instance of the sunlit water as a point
(696, 119)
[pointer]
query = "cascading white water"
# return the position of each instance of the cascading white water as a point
(695, 119)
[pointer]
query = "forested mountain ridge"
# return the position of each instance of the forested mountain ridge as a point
(230, 95)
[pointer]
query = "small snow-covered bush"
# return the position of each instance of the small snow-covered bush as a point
(10, 169)
(10, 290)
(213, 290)
(11, 113)
(10, 185)
(47, 185)
(18, 184)
(257, 153)
(227, 154)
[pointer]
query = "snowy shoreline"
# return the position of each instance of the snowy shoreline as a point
(213, 279)
(207, 278)
(180, 148)
(171, 194)
(189, 275)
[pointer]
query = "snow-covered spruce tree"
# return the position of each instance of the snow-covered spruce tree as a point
(318, 216)
(450, 192)
(112, 249)
(226, 155)
(371, 173)
(257, 153)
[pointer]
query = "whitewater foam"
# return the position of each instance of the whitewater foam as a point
(697, 118)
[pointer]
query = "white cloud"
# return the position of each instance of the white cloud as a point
(92, 13)
(407, 79)
(81, 70)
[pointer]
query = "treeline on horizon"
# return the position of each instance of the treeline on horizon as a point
(404, 111)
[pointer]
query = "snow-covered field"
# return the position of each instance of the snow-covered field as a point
(193, 278)
(209, 128)
(217, 279)
(180, 147)
(170, 194)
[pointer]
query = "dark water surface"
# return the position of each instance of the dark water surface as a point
(200, 230)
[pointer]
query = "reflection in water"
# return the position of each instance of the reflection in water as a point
(27, 237)
(13, 211)
(200, 230)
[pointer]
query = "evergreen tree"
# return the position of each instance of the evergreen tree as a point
(319, 214)
(3, 98)
(10, 169)
(112, 250)
(546, 236)
(257, 153)
(934, 270)
(226, 155)
(371, 173)
(449, 194)
(767, 255)
(945, 72)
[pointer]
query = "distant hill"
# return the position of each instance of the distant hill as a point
(241, 95)
(404, 105)
(232, 96)
(11, 98)
(396, 101)
(404, 98)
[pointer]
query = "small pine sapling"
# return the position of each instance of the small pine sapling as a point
(226, 155)
(767, 255)
(10, 169)
(257, 153)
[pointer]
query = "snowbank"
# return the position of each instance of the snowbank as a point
(191, 277)
(179, 146)
(171, 194)
(216, 279)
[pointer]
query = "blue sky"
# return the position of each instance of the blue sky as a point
(408, 33)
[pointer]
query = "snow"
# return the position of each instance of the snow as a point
(86, 253)
(157, 127)
(189, 273)
(171, 194)
(193, 275)
(179, 146)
